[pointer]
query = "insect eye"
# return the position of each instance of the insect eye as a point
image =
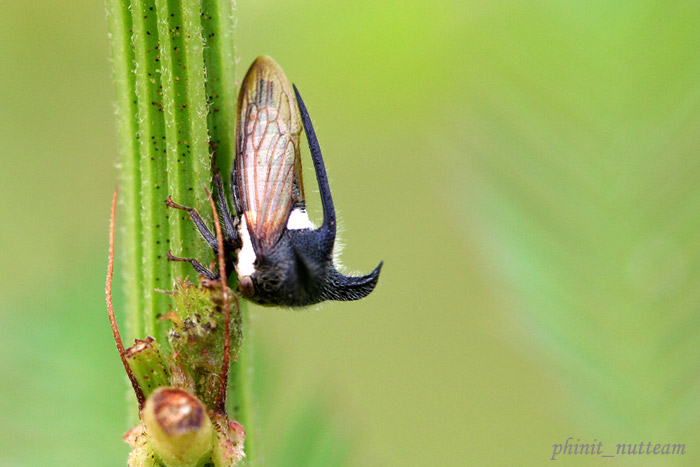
(246, 287)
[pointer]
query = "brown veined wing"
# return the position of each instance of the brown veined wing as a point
(268, 164)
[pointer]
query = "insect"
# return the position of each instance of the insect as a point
(280, 257)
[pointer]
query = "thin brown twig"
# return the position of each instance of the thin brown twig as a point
(221, 399)
(108, 292)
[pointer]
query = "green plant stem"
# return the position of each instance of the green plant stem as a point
(175, 83)
(217, 25)
(119, 18)
(240, 403)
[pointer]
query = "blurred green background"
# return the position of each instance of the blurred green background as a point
(528, 171)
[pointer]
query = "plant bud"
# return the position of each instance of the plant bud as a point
(178, 427)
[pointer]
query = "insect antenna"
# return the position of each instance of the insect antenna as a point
(108, 292)
(221, 398)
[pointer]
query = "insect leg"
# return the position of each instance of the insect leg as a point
(228, 222)
(234, 191)
(198, 222)
(329, 223)
(196, 265)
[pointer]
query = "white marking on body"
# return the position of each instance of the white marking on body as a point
(299, 219)
(245, 266)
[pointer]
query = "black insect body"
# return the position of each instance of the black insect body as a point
(279, 256)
